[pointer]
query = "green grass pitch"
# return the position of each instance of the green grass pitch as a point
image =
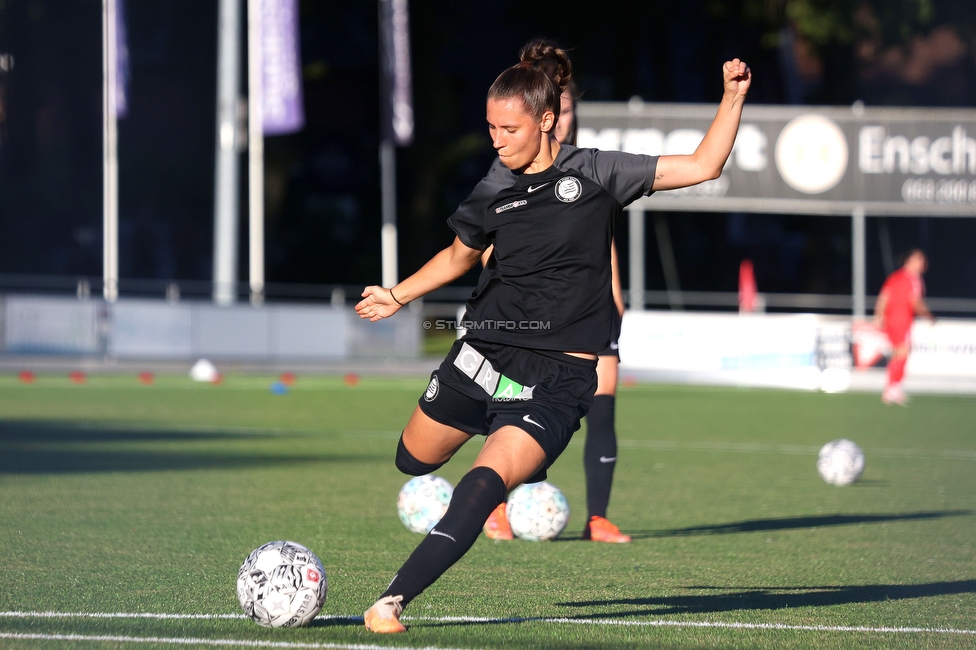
(121, 498)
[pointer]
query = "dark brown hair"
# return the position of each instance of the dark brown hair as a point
(539, 78)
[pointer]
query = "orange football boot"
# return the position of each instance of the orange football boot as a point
(497, 527)
(598, 529)
(384, 616)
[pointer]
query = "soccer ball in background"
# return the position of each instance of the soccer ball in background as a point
(537, 512)
(422, 502)
(841, 462)
(282, 584)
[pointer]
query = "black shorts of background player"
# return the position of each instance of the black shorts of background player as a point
(544, 298)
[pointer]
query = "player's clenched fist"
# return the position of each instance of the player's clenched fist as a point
(738, 77)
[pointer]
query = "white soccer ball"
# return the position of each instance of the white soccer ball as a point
(282, 584)
(204, 370)
(537, 512)
(422, 502)
(841, 462)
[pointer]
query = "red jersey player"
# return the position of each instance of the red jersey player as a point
(900, 300)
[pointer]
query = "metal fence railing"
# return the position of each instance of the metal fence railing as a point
(339, 294)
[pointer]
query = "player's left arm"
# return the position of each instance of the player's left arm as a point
(616, 288)
(706, 163)
(921, 309)
(486, 255)
(445, 267)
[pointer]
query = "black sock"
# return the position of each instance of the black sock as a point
(474, 498)
(599, 454)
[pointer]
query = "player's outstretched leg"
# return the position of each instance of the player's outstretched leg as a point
(599, 461)
(476, 495)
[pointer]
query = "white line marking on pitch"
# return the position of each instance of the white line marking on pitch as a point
(191, 641)
(117, 615)
(489, 620)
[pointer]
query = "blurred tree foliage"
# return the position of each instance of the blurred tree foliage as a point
(824, 23)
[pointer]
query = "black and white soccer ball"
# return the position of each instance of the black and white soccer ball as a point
(422, 502)
(537, 512)
(282, 584)
(840, 462)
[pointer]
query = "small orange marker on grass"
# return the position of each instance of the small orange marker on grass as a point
(147, 378)
(26, 377)
(77, 377)
(351, 379)
(287, 378)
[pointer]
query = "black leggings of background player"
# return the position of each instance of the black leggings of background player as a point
(600, 449)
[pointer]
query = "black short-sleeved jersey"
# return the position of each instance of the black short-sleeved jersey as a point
(547, 284)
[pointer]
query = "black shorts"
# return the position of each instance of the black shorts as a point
(614, 349)
(482, 387)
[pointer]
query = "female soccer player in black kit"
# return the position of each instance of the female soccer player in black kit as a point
(600, 449)
(525, 372)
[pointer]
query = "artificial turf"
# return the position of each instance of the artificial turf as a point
(124, 498)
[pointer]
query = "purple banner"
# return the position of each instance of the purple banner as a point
(281, 69)
(121, 62)
(395, 61)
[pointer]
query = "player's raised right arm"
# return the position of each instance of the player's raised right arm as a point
(706, 163)
(445, 267)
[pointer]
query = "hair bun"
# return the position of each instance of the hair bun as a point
(545, 55)
(538, 79)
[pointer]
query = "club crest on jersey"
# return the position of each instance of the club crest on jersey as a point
(568, 189)
(509, 206)
(432, 389)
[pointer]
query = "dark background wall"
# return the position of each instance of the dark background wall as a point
(322, 185)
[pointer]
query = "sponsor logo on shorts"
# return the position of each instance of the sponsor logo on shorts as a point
(509, 206)
(432, 388)
(509, 390)
(568, 189)
(605, 459)
(501, 388)
(614, 345)
(468, 360)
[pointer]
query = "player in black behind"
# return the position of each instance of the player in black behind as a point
(524, 373)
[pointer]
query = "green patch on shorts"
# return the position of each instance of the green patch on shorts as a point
(507, 389)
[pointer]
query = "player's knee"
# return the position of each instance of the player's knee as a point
(408, 463)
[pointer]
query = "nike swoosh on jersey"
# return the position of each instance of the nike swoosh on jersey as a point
(533, 188)
(604, 459)
(531, 421)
